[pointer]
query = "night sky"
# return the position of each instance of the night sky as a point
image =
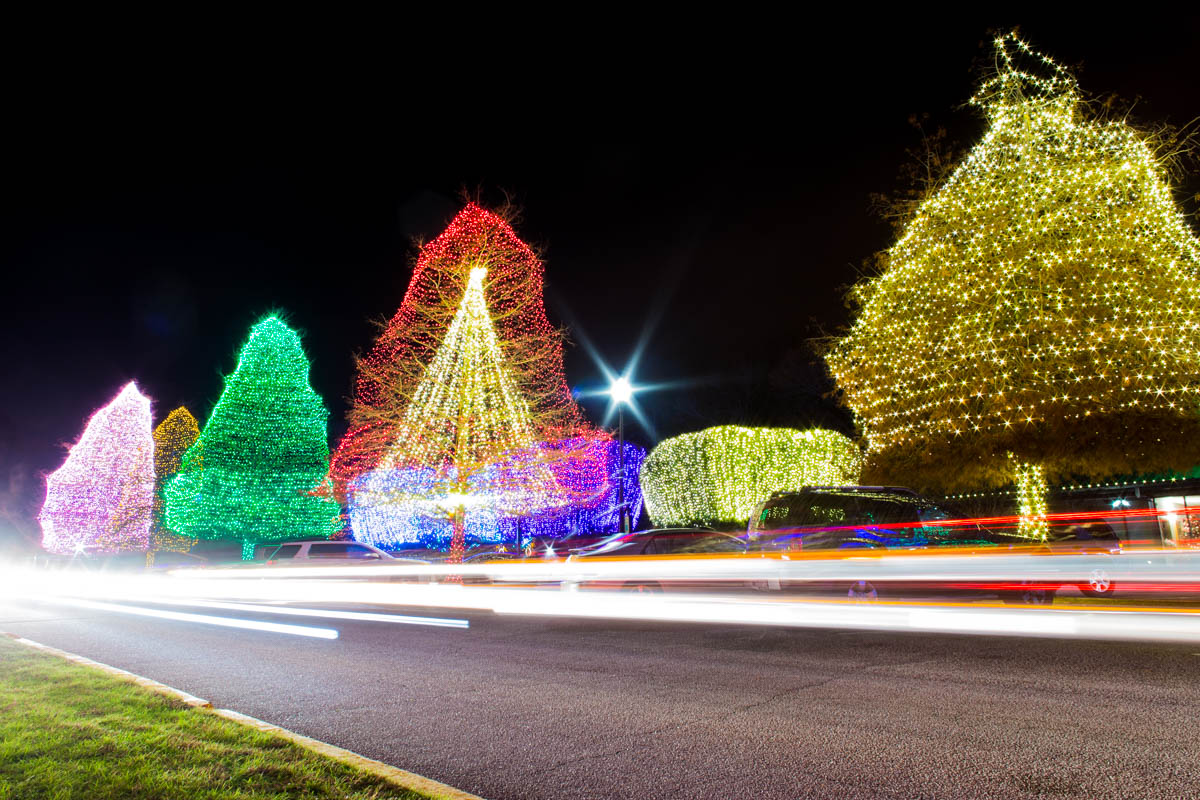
(704, 192)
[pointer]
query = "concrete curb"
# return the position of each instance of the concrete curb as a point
(402, 778)
(145, 683)
(409, 780)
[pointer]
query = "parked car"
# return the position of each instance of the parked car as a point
(321, 552)
(849, 518)
(1091, 537)
(658, 542)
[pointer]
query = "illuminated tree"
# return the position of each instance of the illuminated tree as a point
(718, 475)
(1039, 315)
(462, 390)
(250, 473)
(379, 518)
(172, 438)
(101, 498)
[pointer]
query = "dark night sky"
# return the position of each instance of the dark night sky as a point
(158, 200)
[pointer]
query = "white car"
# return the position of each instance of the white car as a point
(321, 551)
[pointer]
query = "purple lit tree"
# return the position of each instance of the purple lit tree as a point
(102, 498)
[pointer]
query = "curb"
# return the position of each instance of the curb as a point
(402, 778)
(146, 683)
(409, 780)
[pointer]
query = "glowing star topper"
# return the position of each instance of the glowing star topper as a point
(101, 499)
(1043, 302)
(719, 474)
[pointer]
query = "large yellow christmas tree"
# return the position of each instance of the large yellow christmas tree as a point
(1039, 315)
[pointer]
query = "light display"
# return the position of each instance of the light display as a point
(717, 475)
(1044, 301)
(101, 499)
(1031, 499)
(172, 438)
(380, 516)
(464, 387)
(263, 449)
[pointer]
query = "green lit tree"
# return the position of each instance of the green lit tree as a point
(250, 474)
(1039, 314)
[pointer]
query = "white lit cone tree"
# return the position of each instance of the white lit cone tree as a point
(1039, 315)
(467, 416)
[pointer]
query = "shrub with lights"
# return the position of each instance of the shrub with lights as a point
(172, 438)
(454, 405)
(101, 499)
(1039, 315)
(718, 475)
(250, 474)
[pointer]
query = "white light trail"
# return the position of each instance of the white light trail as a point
(204, 619)
(360, 616)
(586, 588)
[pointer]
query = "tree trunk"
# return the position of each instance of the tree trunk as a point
(458, 537)
(1031, 498)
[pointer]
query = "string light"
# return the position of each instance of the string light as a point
(403, 508)
(172, 438)
(100, 500)
(717, 475)
(263, 449)
(530, 348)
(1031, 500)
(1044, 301)
(457, 400)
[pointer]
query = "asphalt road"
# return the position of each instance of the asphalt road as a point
(543, 708)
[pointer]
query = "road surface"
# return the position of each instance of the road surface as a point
(545, 708)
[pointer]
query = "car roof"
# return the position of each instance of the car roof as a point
(889, 493)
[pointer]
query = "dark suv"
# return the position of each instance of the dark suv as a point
(874, 518)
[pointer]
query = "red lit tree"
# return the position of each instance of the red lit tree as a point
(465, 382)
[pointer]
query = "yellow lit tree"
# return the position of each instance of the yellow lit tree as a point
(172, 438)
(1039, 315)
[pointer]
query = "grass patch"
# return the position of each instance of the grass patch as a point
(69, 731)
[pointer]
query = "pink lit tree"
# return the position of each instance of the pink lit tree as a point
(102, 498)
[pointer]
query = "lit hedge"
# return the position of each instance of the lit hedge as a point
(717, 475)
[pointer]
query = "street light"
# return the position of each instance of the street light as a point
(621, 392)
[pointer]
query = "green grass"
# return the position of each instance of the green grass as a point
(69, 731)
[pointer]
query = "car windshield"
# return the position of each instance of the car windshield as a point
(836, 510)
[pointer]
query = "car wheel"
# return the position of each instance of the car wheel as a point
(1030, 595)
(642, 587)
(1099, 584)
(862, 592)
